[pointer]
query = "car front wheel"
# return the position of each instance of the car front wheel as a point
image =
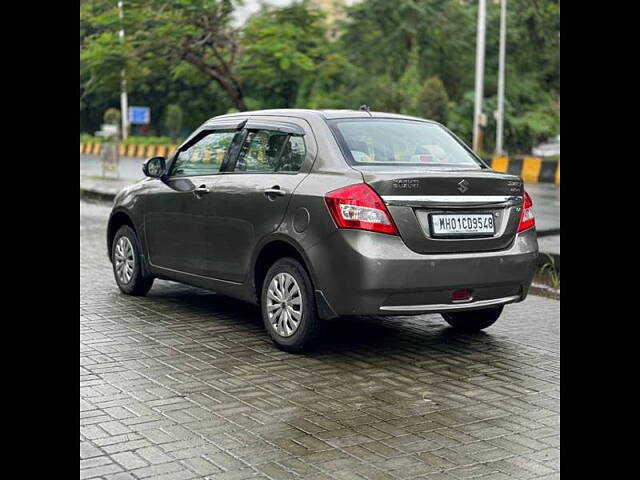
(473, 320)
(288, 306)
(126, 261)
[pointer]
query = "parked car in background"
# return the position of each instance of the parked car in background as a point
(314, 215)
(548, 149)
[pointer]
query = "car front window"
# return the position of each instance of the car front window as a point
(204, 157)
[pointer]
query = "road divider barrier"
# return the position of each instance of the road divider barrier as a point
(530, 169)
(134, 151)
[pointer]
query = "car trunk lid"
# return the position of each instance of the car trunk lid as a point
(414, 196)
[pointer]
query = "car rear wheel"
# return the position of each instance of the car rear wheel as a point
(126, 261)
(288, 306)
(473, 320)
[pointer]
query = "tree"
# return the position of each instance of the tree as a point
(378, 36)
(408, 87)
(281, 49)
(160, 32)
(433, 101)
(173, 120)
(190, 53)
(112, 116)
(198, 32)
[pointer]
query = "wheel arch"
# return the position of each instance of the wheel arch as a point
(279, 246)
(117, 219)
(270, 250)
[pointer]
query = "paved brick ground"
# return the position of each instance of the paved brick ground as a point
(185, 384)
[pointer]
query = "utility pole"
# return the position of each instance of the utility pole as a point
(479, 87)
(124, 110)
(503, 48)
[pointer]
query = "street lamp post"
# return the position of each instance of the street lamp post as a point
(123, 86)
(501, 64)
(479, 87)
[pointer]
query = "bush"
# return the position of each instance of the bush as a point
(433, 101)
(87, 138)
(173, 119)
(148, 141)
(112, 116)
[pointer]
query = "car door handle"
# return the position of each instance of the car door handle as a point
(201, 190)
(274, 191)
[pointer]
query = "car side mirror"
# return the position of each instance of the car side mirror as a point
(154, 167)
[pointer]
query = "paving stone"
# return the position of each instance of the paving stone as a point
(184, 383)
(88, 450)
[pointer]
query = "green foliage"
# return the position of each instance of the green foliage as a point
(87, 138)
(112, 116)
(407, 56)
(409, 84)
(333, 84)
(133, 140)
(433, 101)
(460, 117)
(281, 47)
(173, 119)
(150, 140)
(552, 271)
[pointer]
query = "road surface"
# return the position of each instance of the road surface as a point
(186, 384)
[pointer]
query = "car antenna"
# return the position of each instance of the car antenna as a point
(365, 108)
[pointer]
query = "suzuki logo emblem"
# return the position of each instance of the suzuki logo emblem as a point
(463, 186)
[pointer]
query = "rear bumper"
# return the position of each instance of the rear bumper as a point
(364, 273)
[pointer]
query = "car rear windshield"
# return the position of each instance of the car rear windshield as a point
(383, 141)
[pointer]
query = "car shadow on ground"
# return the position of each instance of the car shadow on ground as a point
(394, 334)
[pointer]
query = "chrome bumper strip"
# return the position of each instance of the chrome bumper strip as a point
(446, 307)
(455, 201)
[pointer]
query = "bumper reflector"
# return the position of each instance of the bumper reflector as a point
(461, 295)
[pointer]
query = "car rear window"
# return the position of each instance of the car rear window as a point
(383, 141)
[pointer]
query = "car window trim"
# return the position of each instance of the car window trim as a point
(281, 152)
(277, 126)
(230, 160)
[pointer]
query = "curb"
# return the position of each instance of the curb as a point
(548, 233)
(89, 194)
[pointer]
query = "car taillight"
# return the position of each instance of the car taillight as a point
(527, 219)
(360, 207)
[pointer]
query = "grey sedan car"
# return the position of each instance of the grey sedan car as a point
(315, 215)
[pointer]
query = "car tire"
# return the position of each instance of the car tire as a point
(127, 263)
(473, 320)
(290, 317)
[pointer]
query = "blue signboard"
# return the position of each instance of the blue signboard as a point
(139, 115)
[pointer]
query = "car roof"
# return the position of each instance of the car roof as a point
(323, 114)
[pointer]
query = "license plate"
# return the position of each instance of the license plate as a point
(480, 224)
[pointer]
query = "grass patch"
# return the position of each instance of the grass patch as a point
(546, 281)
